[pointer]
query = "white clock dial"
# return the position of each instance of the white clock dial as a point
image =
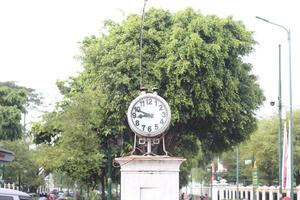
(149, 115)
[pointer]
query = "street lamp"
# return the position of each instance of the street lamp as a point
(280, 123)
(291, 108)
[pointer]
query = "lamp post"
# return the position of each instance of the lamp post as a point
(280, 124)
(290, 105)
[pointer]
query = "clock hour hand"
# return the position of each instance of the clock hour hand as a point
(141, 116)
(148, 115)
(145, 114)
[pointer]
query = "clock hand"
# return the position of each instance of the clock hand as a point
(145, 115)
(144, 112)
(141, 116)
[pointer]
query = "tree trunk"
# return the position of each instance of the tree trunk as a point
(19, 182)
(88, 192)
(75, 191)
(297, 177)
(102, 177)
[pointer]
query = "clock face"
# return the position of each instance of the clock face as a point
(149, 115)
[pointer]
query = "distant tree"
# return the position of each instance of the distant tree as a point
(297, 146)
(262, 147)
(47, 133)
(24, 169)
(229, 161)
(14, 101)
(73, 144)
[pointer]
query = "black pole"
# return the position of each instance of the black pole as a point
(19, 177)
(109, 170)
(237, 172)
(3, 172)
(211, 180)
(3, 169)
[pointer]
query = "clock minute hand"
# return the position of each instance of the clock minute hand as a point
(144, 112)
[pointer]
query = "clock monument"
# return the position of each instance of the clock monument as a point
(149, 176)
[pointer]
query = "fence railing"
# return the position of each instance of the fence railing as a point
(229, 192)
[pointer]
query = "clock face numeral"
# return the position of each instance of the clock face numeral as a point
(142, 103)
(149, 101)
(149, 115)
(161, 107)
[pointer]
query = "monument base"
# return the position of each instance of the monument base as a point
(149, 177)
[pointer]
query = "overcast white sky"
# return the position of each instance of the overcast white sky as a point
(39, 38)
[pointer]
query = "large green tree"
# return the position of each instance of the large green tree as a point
(195, 61)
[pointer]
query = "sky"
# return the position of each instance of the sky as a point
(39, 39)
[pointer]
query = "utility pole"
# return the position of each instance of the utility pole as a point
(291, 101)
(280, 126)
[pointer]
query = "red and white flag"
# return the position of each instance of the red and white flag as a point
(286, 158)
(213, 171)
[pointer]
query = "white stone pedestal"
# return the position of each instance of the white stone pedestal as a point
(149, 177)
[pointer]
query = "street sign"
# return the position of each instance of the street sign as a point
(6, 156)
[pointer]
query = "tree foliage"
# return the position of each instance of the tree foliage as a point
(24, 169)
(195, 61)
(47, 132)
(263, 147)
(296, 119)
(14, 100)
(73, 143)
